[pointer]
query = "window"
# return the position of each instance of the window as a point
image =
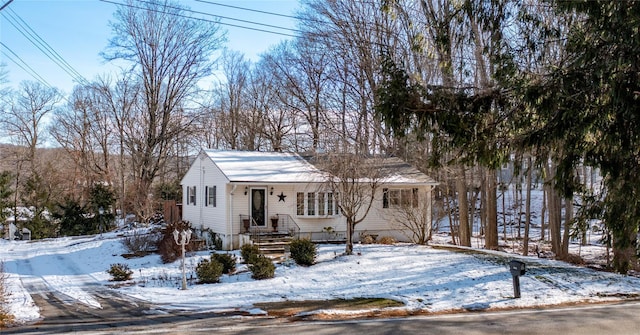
(321, 204)
(400, 198)
(300, 203)
(318, 204)
(191, 195)
(329, 203)
(394, 197)
(385, 198)
(311, 203)
(210, 195)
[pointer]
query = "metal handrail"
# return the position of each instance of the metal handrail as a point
(287, 225)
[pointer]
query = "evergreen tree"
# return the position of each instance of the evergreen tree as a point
(5, 193)
(590, 108)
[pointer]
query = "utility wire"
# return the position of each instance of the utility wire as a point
(254, 10)
(50, 49)
(227, 18)
(42, 45)
(205, 20)
(23, 65)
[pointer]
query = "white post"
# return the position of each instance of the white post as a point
(182, 238)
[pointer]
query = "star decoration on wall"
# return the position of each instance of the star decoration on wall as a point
(281, 197)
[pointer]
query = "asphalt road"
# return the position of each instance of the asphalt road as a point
(122, 316)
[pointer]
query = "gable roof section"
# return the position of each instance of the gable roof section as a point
(388, 170)
(398, 171)
(264, 167)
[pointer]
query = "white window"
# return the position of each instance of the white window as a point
(399, 198)
(318, 204)
(191, 195)
(210, 195)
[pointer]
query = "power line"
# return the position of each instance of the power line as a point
(210, 21)
(5, 5)
(250, 9)
(23, 65)
(50, 49)
(227, 18)
(23, 27)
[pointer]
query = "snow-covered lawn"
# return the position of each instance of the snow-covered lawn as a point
(425, 278)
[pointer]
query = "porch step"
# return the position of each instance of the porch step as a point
(272, 246)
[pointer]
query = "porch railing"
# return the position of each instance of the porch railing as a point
(287, 225)
(283, 225)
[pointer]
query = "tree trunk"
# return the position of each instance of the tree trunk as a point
(463, 205)
(491, 234)
(568, 217)
(527, 217)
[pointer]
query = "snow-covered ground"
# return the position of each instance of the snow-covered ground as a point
(425, 278)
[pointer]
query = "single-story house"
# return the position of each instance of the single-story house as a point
(236, 193)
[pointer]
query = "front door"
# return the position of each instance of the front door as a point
(258, 205)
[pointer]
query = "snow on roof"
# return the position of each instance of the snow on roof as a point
(257, 166)
(398, 171)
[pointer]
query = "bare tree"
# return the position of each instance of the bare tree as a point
(24, 120)
(169, 53)
(414, 218)
(354, 181)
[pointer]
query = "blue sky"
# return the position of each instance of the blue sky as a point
(78, 30)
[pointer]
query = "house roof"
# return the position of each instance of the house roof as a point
(398, 171)
(267, 167)
(283, 167)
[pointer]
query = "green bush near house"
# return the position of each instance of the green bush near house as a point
(249, 252)
(303, 251)
(228, 262)
(262, 268)
(209, 271)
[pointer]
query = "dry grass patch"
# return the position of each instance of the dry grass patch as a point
(292, 308)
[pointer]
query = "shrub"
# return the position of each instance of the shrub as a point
(138, 242)
(249, 252)
(387, 240)
(303, 251)
(209, 271)
(120, 272)
(262, 268)
(5, 318)
(228, 262)
(368, 239)
(167, 247)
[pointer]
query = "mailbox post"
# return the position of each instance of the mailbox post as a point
(517, 269)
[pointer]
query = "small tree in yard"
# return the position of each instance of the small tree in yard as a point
(354, 180)
(5, 193)
(414, 219)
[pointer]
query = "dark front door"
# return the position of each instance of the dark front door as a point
(258, 205)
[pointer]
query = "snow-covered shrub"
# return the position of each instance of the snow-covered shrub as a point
(228, 262)
(249, 252)
(262, 268)
(120, 272)
(209, 271)
(303, 251)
